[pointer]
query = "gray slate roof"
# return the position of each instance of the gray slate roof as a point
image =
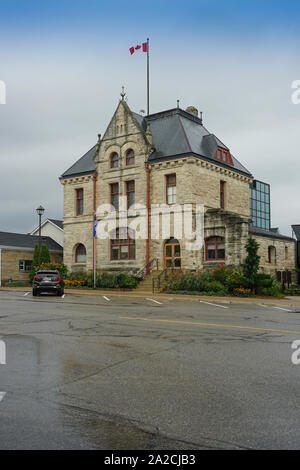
(59, 223)
(84, 165)
(21, 240)
(177, 132)
(296, 230)
(268, 233)
(174, 133)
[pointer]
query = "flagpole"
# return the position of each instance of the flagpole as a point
(95, 262)
(148, 111)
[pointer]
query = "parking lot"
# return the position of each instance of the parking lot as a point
(112, 372)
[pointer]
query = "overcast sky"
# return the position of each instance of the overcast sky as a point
(64, 63)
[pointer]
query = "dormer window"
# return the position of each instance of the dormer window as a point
(223, 156)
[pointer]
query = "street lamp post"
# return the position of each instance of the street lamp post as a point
(40, 210)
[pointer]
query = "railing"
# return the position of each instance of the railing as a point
(164, 275)
(148, 266)
(168, 274)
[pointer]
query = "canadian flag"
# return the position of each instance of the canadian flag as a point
(144, 48)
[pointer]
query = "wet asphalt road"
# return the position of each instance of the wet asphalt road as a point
(121, 373)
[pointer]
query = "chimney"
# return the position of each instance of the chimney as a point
(192, 110)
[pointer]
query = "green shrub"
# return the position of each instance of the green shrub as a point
(108, 281)
(78, 276)
(35, 263)
(292, 290)
(60, 267)
(275, 290)
(215, 287)
(221, 273)
(45, 255)
(263, 281)
(16, 284)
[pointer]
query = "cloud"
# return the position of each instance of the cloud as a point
(62, 91)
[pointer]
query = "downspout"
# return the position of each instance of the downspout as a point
(94, 211)
(148, 218)
(0, 267)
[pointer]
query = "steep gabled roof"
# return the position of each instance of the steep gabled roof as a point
(175, 133)
(84, 165)
(58, 223)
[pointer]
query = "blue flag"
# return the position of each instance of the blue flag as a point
(95, 226)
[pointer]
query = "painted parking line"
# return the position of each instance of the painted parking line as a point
(2, 395)
(215, 305)
(156, 301)
(63, 296)
(106, 298)
(278, 308)
(216, 325)
(27, 293)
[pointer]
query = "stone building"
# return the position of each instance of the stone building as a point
(16, 255)
(166, 160)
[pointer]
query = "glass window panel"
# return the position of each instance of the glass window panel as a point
(168, 250)
(115, 201)
(132, 251)
(131, 198)
(124, 251)
(176, 250)
(115, 252)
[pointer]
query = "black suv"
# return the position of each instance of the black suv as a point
(47, 281)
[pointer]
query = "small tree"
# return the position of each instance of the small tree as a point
(35, 263)
(251, 263)
(45, 255)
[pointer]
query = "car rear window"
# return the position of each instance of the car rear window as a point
(48, 274)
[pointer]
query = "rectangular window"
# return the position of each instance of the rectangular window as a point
(222, 194)
(130, 193)
(79, 201)
(114, 195)
(171, 189)
(122, 248)
(25, 265)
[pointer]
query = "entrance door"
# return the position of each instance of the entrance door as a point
(172, 254)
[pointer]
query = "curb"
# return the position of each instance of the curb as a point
(287, 301)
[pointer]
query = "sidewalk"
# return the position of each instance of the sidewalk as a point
(289, 301)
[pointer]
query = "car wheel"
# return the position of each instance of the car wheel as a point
(34, 293)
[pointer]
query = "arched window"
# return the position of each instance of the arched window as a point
(215, 249)
(114, 160)
(80, 254)
(122, 244)
(130, 159)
